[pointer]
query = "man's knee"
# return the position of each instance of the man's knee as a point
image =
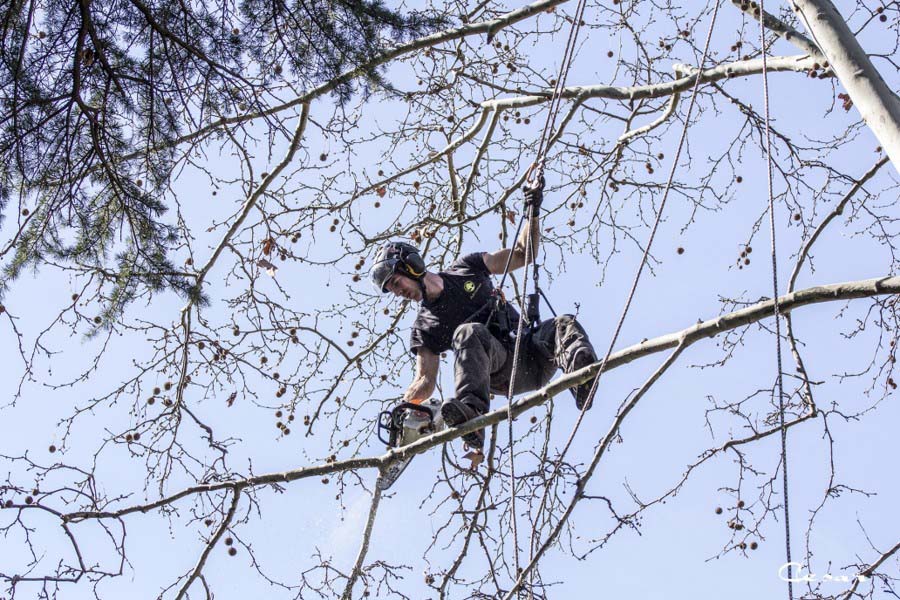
(469, 333)
(568, 324)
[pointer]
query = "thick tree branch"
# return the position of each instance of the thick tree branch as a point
(836, 292)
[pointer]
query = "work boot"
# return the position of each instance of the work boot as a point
(583, 357)
(455, 413)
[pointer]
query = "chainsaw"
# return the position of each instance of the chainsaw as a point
(402, 425)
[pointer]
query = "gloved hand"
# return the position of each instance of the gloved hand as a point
(534, 194)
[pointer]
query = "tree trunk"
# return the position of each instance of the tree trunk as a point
(875, 101)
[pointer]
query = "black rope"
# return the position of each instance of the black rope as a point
(776, 308)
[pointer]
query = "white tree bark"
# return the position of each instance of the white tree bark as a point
(875, 101)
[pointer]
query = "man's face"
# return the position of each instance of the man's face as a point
(404, 287)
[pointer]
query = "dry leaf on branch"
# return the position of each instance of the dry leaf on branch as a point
(269, 267)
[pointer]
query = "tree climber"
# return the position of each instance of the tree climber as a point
(459, 309)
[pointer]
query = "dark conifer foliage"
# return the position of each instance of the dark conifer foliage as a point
(95, 93)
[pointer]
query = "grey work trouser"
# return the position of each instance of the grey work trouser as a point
(484, 363)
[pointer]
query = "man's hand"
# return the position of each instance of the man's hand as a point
(534, 194)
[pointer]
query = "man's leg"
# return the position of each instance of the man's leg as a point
(477, 355)
(564, 339)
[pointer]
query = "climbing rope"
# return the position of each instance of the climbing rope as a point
(556, 96)
(529, 255)
(536, 171)
(646, 254)
(534, 175)
(776, 309)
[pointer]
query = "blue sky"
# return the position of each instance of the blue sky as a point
(676, 551)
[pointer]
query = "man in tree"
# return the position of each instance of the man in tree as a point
(459, 309)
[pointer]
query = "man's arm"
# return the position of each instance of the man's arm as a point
(496, 261)
(426, 376)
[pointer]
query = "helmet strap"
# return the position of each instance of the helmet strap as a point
(421, 282)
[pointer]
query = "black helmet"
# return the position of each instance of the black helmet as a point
(396, 257)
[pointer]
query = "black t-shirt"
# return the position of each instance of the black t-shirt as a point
(466, 297)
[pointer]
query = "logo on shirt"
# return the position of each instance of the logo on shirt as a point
(469, 286)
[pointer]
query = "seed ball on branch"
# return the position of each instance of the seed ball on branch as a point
(229, 541)
(680, 250)
(718, 510)
(740, 504)
(232, 551)
(52, 449)
(754, 545)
